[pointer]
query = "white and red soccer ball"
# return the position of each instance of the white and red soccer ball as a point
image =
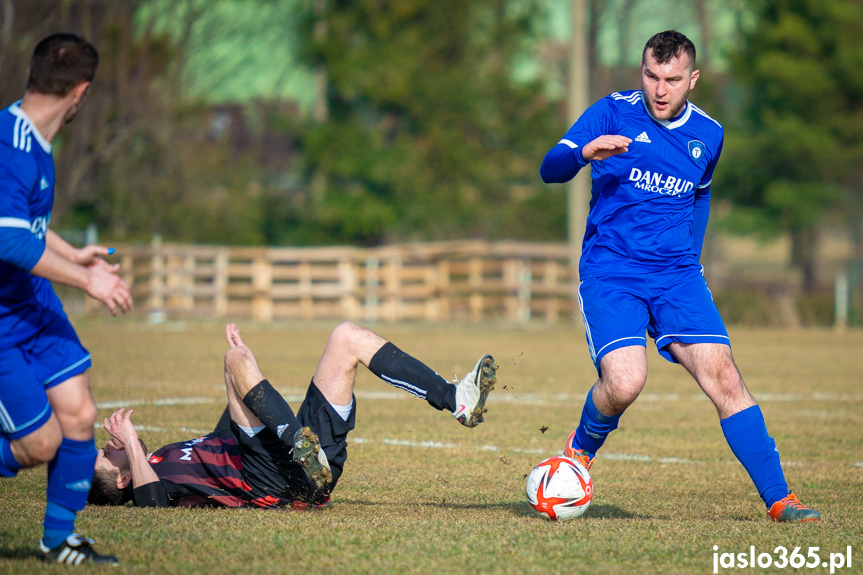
(559, 488)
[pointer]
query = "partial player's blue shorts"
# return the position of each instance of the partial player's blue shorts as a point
(671, 305)
(48, 358)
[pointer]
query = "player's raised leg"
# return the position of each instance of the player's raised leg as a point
(254, 402)
(623, 375)
(351, 344)
(712, 366)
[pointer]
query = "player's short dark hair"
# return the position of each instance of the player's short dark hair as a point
(669, 45)
(103, 487)
(60, 63)
(104, 490)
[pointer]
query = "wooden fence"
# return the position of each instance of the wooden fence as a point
(468, 280)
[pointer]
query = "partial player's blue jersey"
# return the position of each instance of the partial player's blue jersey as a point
(26, 199)
(641, 208)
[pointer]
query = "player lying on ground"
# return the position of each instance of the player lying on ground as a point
(260, 453)
(652, 156)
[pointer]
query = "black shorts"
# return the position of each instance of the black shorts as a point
(268, 465)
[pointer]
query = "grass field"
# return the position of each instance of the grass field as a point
(422, 494)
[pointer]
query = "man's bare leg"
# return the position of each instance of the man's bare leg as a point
(241, 375)
(351, 344)
(712, 366)
(71, 470)
(623, 373)
(348, 345)
(254, 402)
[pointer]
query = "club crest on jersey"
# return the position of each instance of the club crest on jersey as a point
(697, 150)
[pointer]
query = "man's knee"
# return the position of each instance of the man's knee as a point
(345, 332)
(77, 419)
(720, 367)
(238, 357)
(622, 378)
(346, 338)
(730, 382)
(620, 394)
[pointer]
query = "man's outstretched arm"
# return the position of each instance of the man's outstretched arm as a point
(566, 159)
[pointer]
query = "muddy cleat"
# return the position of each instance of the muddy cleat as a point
(472, 392)
(790, 509)
(580, 455)
(75, 551)
(310, 456)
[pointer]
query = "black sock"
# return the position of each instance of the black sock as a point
(274, 412)
(405, 372)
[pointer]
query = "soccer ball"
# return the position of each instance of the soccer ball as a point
(559, 488)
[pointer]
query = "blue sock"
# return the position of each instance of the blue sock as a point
(594, 426)
(746, 434)
(62, 524)
(69, 476)
(9, 466)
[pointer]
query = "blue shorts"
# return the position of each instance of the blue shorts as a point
(671, 305)
(48, 358)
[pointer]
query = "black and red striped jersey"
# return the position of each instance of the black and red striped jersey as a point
(207, 471)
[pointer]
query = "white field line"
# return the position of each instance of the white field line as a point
(296, 395)
(543, 453)
(292, 395)
(156, 429)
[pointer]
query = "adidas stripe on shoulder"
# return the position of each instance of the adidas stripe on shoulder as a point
(633, 98)
(703, 113)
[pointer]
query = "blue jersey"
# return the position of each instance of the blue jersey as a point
(26, 199)
(648, 206)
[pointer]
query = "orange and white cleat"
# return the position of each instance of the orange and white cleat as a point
(580, 455)
(790, 509)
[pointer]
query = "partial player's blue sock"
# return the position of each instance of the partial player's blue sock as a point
(594, 426)
(746, 434)
(62, 524)
(9, 466)
(69, 477)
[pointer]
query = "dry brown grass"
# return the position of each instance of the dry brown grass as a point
(667, 486)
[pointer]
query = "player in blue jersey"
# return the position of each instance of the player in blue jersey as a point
(263, 455)
(46, 409)
(652, 154)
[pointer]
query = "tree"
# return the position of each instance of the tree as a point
(424, 130)
(792, 162)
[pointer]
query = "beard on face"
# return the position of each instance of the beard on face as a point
(670, 112)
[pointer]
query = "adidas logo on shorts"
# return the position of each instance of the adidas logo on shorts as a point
(642, 137)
